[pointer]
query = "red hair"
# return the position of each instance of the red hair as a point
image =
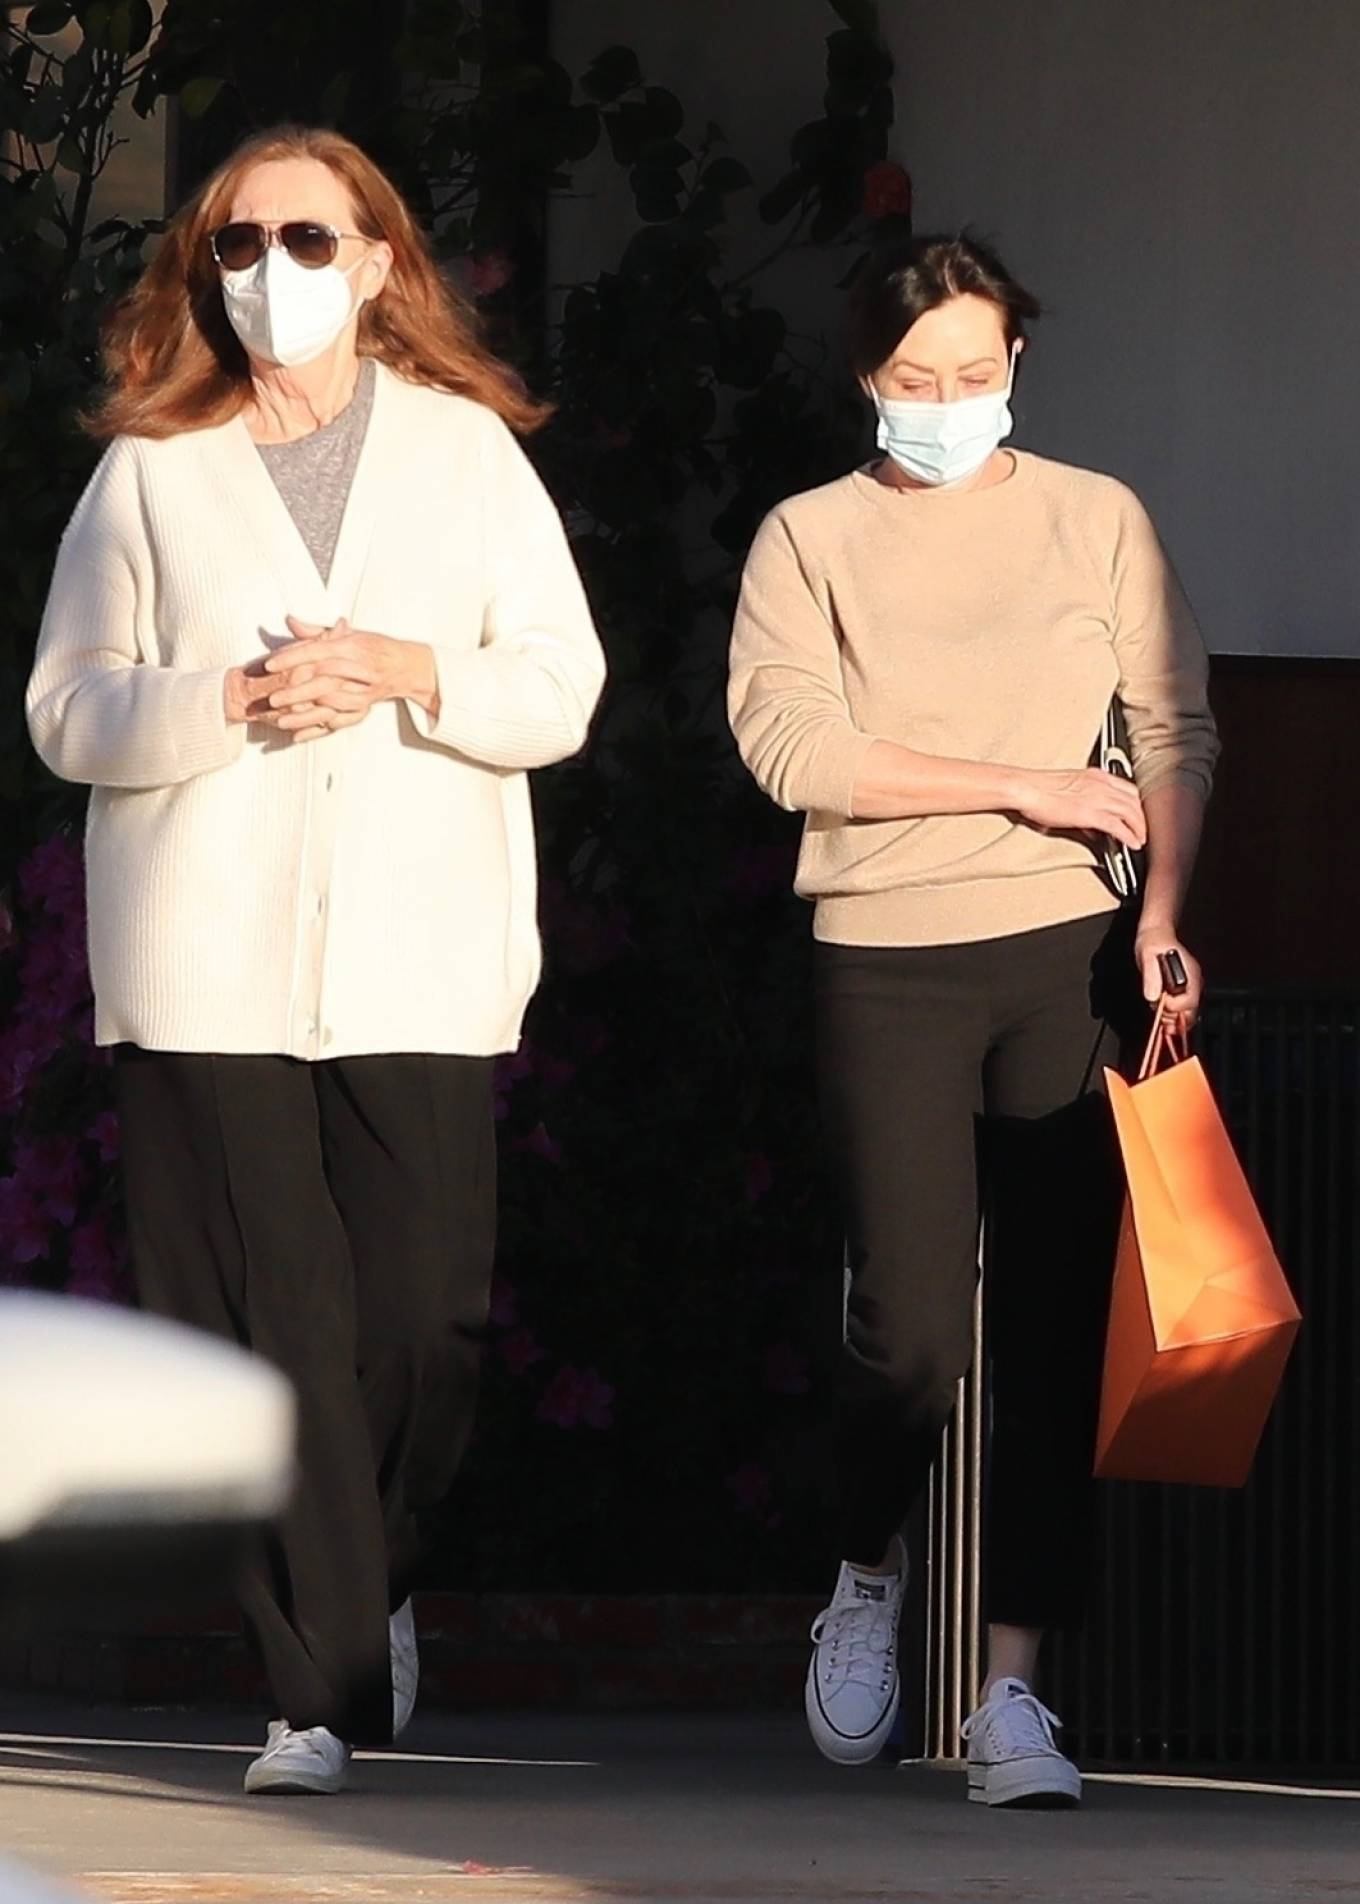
(176, 364)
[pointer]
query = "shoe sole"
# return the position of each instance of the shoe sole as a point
(282, 1785)
(1013, 1789)
(834, 1745)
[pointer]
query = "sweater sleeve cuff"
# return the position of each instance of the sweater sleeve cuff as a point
(203, 737)
(839, 763)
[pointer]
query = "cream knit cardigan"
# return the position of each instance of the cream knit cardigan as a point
(373, 891)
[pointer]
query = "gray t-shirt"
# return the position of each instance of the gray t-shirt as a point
(314, 473)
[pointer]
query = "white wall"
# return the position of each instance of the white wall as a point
(1180, 179)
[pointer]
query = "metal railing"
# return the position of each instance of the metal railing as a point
(1224, 1627)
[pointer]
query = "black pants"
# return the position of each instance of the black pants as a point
(340, 1219)
(959, 1080)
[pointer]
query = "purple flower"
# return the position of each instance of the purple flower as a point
(25, 1232)
(53, 877)
(753, 1491)
(96, 1262)
(24, 1049)
(576, 1397)
(51, 1170)
(758, 871)
(583, 936)
(759, 1177)
(786, 1370)
(105, 1132)
(54, 977)
(521, 1351)
(504, 1313)
(6, 927)
(540, 1144)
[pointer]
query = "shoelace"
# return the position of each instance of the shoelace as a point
(862, 1647)
(312, 1737)
(1027, 1721)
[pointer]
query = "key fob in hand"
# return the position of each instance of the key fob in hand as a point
(1175, 978)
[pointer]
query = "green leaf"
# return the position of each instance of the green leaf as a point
(777, 203)
(198, 96)
(334, 98)
(861, 15)
(611, 73)
(48, 17)
(46, 115)
(726, 175)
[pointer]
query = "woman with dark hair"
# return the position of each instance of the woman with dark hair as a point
(924, 658)
(312, 623)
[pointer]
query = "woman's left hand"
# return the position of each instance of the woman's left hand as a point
(1150, 947)
(333, 676)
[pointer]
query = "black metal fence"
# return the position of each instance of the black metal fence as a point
(1226, 1626)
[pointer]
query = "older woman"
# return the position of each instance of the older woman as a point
(924, 658)
(313, 622)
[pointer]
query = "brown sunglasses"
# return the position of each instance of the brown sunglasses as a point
(239, 246)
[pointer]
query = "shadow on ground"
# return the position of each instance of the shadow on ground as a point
(146, 1808)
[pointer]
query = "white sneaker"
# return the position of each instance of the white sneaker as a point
(405, 1667)
(852, 1686)
(1013, 1758)
(313, 1761)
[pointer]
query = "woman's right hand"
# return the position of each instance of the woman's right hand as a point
(1082, 800)
(242, 690)
(245, 697)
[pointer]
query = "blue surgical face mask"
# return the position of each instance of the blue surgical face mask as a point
(943, 443)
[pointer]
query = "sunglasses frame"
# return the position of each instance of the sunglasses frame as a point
(272, 235)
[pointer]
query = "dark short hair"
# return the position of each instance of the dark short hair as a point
(903, 280)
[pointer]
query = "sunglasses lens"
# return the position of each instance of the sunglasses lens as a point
(309, 244)
(238, 247)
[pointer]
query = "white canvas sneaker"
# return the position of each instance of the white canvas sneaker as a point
(1013, 1757)
(852, 1685)
(405, 1667)
(311, 1762)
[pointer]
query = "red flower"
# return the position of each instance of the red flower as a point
(577, 1397)
(489, 273)
(887, 191)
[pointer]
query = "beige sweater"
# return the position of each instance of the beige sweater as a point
(983, 624)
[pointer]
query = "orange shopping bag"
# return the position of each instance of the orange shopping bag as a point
(1201, 1317)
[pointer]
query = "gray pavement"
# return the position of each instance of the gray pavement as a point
(140, 1808)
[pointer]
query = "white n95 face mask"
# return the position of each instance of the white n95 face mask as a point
(943, 443)
(285, 313)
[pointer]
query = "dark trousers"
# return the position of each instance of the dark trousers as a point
(959, 1081)
(339, 1218)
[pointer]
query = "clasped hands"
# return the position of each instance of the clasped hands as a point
(329, 678)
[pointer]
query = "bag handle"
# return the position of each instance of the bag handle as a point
(1169, 1042)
